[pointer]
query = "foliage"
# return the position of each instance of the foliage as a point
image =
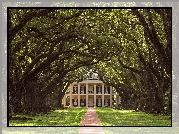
(140, 70)
(44, 61)
(51, 48)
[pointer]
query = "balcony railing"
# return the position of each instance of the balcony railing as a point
(106, 104)
(106, 92)
(75, 92)
(99, 92)
(75, 103)
(99, 104)
(90, 92)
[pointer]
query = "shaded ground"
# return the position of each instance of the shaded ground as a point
(75, 117)
(112, 117)
(67, 117)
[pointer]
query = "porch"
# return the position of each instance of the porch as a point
(88, 101)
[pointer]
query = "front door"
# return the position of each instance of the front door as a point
(90, 101)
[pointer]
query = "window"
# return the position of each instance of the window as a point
(99, 102)
(82, 90)
(106, 102)
(99, 90)
(75, 90)
(82, 102)
(106, 89)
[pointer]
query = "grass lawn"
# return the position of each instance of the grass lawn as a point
(66, 117)
(112, 117)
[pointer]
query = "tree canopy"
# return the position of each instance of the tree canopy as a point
(129, 48)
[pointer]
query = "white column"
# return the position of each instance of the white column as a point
(71, 89)
(86, 94)
(94, 95)
(102, 95)
(110, 96)
(64, 100)
(78, 94)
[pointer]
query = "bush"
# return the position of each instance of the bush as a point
(119, 106)
(115, 106)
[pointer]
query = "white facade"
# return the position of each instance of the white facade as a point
(90, 92)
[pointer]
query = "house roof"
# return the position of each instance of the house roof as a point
(89, 81)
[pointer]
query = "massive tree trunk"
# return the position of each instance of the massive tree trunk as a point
(15, 97)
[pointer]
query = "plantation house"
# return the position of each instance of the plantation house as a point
(91, 92)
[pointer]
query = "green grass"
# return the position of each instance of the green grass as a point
(112, 117)
(66, 117)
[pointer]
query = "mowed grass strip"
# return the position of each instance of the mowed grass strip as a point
(112, 117)
(66, 117)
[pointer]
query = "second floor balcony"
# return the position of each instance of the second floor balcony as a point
(91, 90)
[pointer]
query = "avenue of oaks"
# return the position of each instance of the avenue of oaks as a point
(130, 49)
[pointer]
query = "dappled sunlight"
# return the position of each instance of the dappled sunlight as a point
(51, 52)
(125, 111)
(111, 117)
(67, 117)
